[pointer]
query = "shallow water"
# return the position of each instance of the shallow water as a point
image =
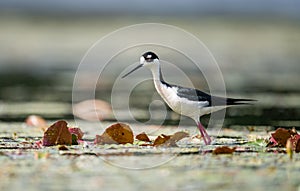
(39, 58)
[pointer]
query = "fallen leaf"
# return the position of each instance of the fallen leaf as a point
(104, 139)
(143, 137)
(169, 140)
(280, 136)
(178, 136)
(76, 131)
(36, 121)
(57, 134)
(223, 150)
(161, 139)
(118, 133)
(92, 110)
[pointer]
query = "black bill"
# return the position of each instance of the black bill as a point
(134, 69)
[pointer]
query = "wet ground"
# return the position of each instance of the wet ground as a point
(191, 166)
(44, 87)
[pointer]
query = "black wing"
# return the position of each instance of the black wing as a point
(197, 95)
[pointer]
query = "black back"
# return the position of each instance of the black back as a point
(197, 95)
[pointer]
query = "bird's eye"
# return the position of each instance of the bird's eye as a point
(149, 59)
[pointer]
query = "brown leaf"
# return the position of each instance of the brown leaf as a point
(36, 121)
(92, 110)
(169, 140)
(143, 137)
(223, 150)
(280, 137)
(57, 134)
(104, 139)
(118, 133)
(161, 139)
(178, 136)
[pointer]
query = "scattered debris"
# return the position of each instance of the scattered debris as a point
(76, 131)
(289, 148)
(121, 133)
(60, 134)
(170, 140)
(15, 135)
(161, 139)
(143, 137)
(223, 150)
(57, 134)
(280, 137)
(118, 133)
(178, 136)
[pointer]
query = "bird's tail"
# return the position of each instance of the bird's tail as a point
(233, 101)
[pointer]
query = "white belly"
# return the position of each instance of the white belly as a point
(180, 105)
(184, 106)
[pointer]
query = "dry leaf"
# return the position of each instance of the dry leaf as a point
(57, 134)
(223, 150)
(161, 139)
(143, 137)
(118, 133)
(169, 140)
(36, 121)
(178, 136)
(92, 110)
(104, 139)
(280, 136)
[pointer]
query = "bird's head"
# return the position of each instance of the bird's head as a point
(148, 59)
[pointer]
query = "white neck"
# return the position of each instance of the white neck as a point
(155, 69)
(157, 78)
(163, 90)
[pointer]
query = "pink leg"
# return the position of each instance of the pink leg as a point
(202, 134)
(206, 137)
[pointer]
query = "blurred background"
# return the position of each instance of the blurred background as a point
(256, 44)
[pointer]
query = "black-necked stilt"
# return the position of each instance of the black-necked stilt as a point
(189, 102)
